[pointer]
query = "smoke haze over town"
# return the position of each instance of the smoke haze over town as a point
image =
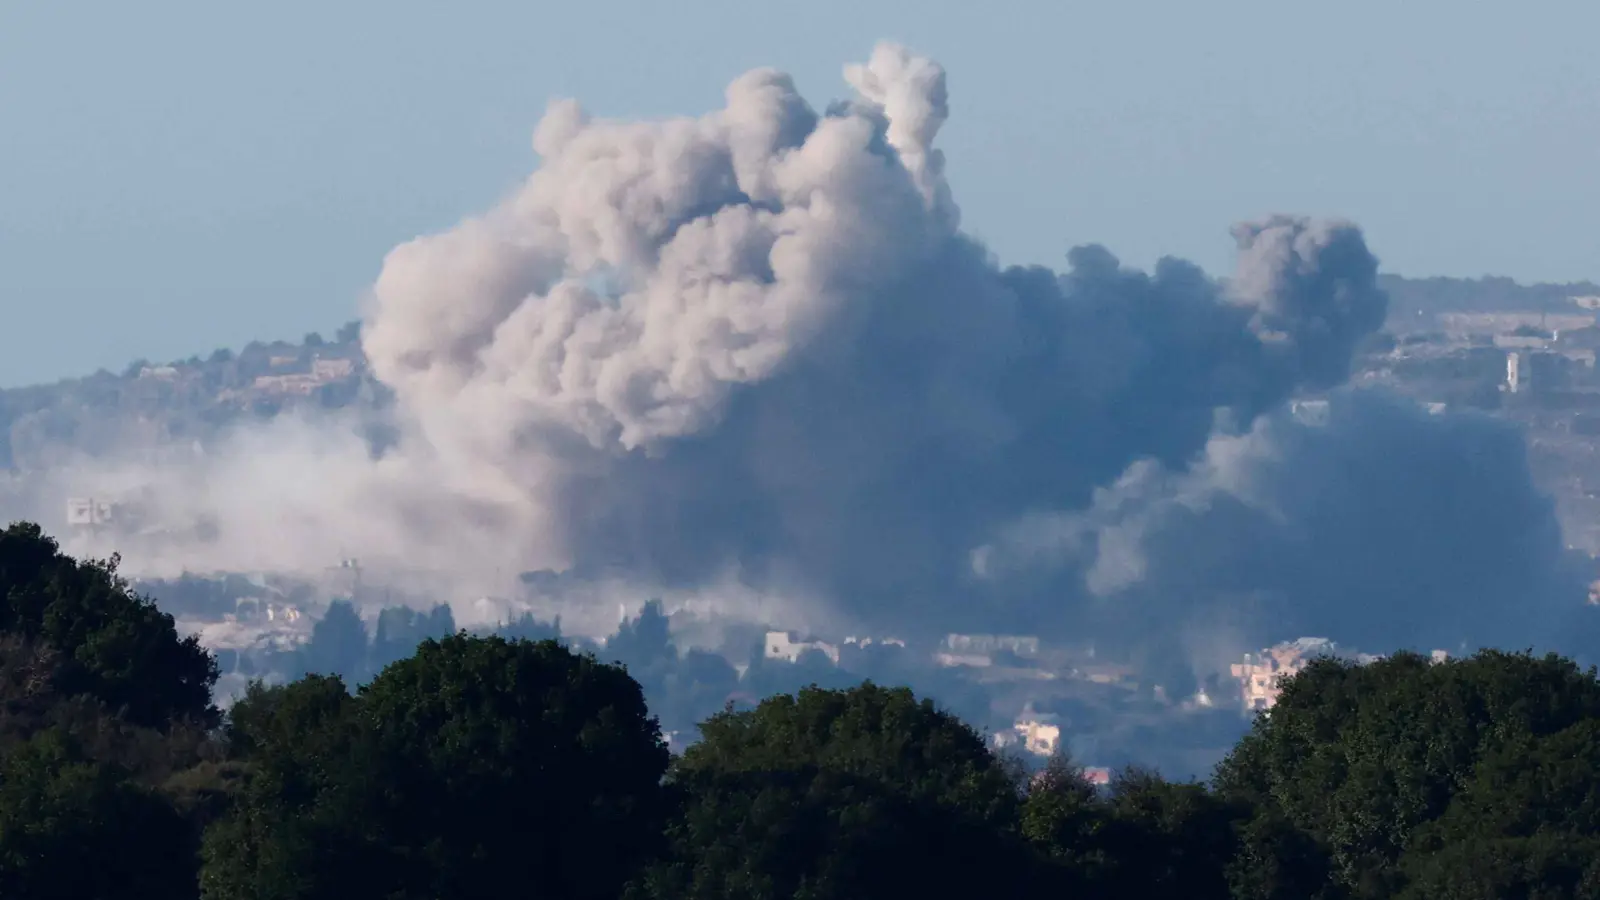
(751, 358)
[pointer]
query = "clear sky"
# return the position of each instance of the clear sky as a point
(178, 176)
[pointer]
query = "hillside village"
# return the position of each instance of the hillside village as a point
(182, 401)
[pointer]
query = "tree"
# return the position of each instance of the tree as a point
(114, 645)
(880, 734)
(71, 827)
(643, 642)
(1523, 825)
(400, 629)
(1067, 821)
(528, 628)
(300, 827)
(478, 767)
(861, 794)
(1173, 840)
(397, 635)
(1145, 837)
(1358, 765)
(338, 644)
(441, 622)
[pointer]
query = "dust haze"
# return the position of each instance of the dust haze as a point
(751, 358)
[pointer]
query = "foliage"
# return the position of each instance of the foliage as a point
(73, 827)
(338, 645)
(1379, 767)
(486, 766)
(113, 645)
(839, 794)
(477, 767)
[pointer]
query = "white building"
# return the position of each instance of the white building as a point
(1516, 372)
(1261, 674)
(1310, 412)
(983, 644)
(784, 645)
(1036, 733)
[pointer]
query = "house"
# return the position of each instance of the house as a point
(784, 645)
(1261, 674)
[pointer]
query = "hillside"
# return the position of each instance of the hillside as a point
(182, 400)
(1413, 298)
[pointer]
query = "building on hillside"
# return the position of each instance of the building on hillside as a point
(1038, 734)
(332, 369)
(1261, 674)
(963, 660)
(1105, 673)
(83, 512)
(985, 644)
(1310, 412)
(1517, 379)
(864, 642)
(786, 646)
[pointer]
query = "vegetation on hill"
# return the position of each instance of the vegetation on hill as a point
(494, 766)
(179, 402)
(1430, 296)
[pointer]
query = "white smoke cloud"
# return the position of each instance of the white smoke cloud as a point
(751, 355)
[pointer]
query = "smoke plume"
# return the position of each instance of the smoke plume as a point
(754, 348)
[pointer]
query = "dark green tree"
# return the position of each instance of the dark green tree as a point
(74, 828)
(1173, 840)
(1526, 824)
(858, 794)
(396, 636)
(441, 622)
(302, 825)
(113, 644)
(880, 734)
(1358, 764)
(644, 642)
(338, 645)
(1144, 837)
(479, 767)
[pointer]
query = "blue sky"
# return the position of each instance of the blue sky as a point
(178, 176)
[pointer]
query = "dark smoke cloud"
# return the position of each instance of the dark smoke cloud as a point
(1384, 527)
(755, 349)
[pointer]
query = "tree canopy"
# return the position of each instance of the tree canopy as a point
(477, 767)
(113, 645)
(491, 766)
(1372, 771)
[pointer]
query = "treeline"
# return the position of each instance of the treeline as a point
(1491, 293)
(485, 767)
(682, 687)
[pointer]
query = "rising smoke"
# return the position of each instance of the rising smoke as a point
(751, 356)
